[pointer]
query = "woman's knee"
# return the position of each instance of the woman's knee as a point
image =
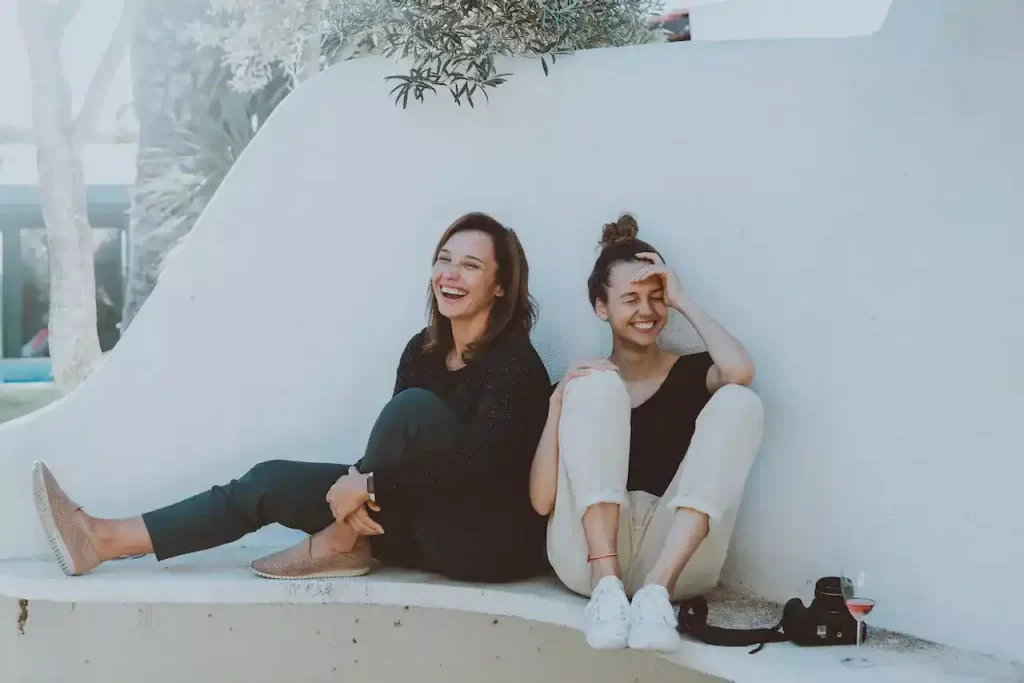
(416, 397)
(413, 404)
(414, 421)
(735, 404)
(264, 475)
(601, 391)
(595, 418)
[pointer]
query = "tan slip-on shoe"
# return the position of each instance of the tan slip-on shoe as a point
(70, 545)
(298, 562)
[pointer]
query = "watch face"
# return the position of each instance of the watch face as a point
(369, 483)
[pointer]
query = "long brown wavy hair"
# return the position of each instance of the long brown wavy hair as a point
(516, 312)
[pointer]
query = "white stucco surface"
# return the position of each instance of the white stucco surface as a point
(850, 208)
(197, 603)
(744, 19)
(338, 637)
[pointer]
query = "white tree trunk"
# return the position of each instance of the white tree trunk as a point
(74, 341)
(309, 61)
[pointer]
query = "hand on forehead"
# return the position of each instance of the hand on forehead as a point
(622, 275)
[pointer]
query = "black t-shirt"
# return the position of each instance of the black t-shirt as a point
(662, 426)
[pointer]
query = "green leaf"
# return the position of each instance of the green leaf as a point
(452, 41)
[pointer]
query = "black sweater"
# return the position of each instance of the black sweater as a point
(501, 396)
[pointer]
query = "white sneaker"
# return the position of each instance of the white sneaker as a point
(652, 621)
(607, 615)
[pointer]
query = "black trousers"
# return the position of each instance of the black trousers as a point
(466, 539)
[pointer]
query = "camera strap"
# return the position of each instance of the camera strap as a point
(693, 621)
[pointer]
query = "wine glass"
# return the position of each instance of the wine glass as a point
(859, 607)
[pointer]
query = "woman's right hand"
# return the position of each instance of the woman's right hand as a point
(361, 522)
(580, 369)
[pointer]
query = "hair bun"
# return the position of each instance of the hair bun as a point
(621, 231)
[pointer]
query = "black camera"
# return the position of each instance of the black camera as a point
(826, 622)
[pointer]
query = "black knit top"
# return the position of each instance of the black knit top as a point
(501, 396)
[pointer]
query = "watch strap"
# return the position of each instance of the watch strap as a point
(370, 487)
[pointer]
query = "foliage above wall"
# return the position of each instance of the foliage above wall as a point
(451, 44)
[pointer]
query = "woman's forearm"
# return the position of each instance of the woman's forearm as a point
(729, 355)
(544, 471)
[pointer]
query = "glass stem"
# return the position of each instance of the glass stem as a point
(858, 632)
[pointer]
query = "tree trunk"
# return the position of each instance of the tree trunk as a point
(74, 341)
(173, 84)
(309, 62)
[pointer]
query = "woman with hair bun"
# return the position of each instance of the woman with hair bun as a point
(645, 454)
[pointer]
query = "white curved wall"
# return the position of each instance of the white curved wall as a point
(850, 208)
(745, 19)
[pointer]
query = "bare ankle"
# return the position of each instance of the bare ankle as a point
(114, 538)
(101, 533)
(602, 568)
(333, 540)
(657, 580)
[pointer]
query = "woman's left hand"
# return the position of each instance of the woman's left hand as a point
(347, 495)
(360, 520)
(669, 280)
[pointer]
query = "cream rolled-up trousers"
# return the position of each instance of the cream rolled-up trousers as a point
(593, 465)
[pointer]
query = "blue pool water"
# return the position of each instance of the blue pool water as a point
(21, 370)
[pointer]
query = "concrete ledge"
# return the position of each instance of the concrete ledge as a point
(221, 577)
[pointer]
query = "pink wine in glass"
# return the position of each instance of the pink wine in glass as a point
(860, 607)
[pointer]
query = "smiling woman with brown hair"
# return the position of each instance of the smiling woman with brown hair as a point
(442, 484)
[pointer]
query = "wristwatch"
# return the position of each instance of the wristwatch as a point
(369, 488)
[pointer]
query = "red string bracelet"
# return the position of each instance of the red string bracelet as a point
(601, 557)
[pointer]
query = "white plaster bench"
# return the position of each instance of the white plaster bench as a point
(221, 578)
